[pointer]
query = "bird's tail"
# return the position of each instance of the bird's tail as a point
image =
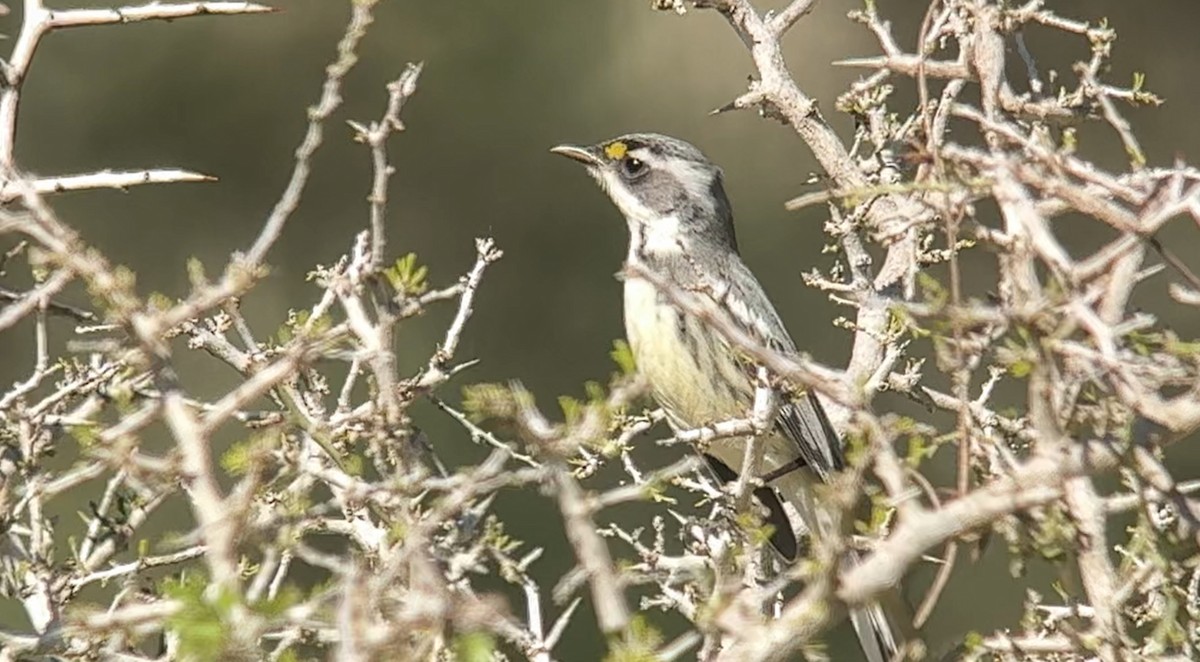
(881, 626)
(876, 630)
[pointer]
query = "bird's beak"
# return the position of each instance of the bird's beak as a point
(584, 155)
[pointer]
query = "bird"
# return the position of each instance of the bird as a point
(681, 229)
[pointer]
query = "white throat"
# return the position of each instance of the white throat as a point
(649, 233)
(656, 236)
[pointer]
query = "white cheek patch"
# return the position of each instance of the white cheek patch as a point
(698, 181)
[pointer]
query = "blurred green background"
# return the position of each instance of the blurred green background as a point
(504, 82)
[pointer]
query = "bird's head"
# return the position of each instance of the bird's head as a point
(671, 195)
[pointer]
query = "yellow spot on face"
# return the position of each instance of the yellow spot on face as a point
(616, 150)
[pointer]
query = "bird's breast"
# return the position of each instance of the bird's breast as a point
(691, 372)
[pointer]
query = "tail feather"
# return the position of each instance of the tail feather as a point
(875, 633)
(881, 626)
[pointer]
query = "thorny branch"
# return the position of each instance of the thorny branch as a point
(1095, 388)
(327, 448)
(1022, 169)
(248, 535)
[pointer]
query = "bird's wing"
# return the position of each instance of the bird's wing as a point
(803, 420)
(783, 538)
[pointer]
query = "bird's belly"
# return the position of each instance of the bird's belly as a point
(691, 373)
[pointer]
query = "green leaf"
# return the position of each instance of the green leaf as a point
(236, 460)
(639, 643)
(595, 393)
(353, 464)
(407, 277)
(195, 270)
(296, 323)
(572, 409)
(622, 355)
(495, 537)
(158, 301)
(474, 647)
(490, 401)
(1181, 348)
(935, 293)
(242, 455)
(202, 623)
(85, 435)
(288, 597)
(1070, 140)
(1020, 369)
(919, 449)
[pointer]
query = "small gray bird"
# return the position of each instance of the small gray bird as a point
(681, 228)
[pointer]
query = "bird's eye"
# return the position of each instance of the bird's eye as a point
(632, 167)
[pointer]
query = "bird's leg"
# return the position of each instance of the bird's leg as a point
(782, 471)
